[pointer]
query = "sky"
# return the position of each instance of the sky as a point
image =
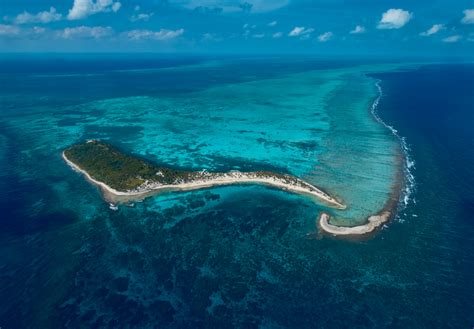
(428, 28)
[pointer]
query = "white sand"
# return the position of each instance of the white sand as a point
(113, 195)
(372, 224)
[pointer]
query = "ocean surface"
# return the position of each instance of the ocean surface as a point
(239, 256)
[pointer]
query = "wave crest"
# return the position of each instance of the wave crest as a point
(407, 195)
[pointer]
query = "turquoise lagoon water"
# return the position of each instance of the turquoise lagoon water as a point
(234, 256)
(314, 125)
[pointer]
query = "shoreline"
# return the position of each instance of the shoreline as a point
(400, 188)
(112, 195)
(375, 222)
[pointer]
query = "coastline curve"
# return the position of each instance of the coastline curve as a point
(374, 222)
(400, 195)
(233, 178)
(401, 191)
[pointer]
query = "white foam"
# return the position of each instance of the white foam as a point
(409, 164)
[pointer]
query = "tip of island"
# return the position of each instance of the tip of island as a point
(124, 178)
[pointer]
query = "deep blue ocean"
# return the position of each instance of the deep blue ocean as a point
(241, 256)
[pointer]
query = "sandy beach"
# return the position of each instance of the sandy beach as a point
(373, 223)
(232, 178)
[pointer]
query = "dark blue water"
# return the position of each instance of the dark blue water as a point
(236, 256)
(433, 107)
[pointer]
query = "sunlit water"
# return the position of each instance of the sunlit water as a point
(230, 256)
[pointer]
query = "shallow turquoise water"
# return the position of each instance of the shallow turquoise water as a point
(232, 256)
(315, 125)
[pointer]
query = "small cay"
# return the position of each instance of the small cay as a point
(124, 178)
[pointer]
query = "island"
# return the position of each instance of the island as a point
(124, 178)
(374, 222)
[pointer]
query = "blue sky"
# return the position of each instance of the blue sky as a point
(436, 28)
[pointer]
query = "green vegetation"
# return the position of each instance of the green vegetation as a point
(120, 171)
(123, 172)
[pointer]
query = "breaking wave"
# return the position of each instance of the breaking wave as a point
(407, 194)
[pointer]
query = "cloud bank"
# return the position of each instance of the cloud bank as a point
(9, 30)
(95, 32)
(42, 17)
(15, 31)
(160, 35)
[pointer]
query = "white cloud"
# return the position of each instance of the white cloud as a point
(160, 35)
(116, 6)
(274, 23)
(137, 8)
(95, 32)
(16, 31)
(394, 19)
(141, 17)
(433, 30)
(468, 16)
(277, 35)
(9, 30)
(358, 30)
(325, 37)
(42, 17)
(452, 39)
(300, 31)
(84, 8)
(258, 35)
